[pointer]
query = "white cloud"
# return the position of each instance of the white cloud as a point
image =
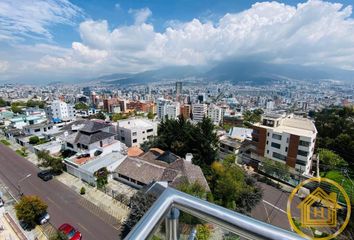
(140, 15)
(4, 65)
(311, 33)
(20, 19)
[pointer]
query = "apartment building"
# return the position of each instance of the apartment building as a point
(60, 111)
(286, 139)
(199, 111)
(134, 132)
(167, 108)
(186, 111)
(215, 114)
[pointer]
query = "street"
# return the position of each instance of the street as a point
(64, 205)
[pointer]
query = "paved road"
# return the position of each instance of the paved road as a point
(64, 204)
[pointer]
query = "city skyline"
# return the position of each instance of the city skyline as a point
(83, 40)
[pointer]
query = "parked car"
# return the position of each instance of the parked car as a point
(1, 202)
(45, 175)
(70, 232)
(44, 218)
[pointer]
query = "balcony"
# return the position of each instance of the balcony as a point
(162, 221)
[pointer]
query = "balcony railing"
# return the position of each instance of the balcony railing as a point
(166, 208)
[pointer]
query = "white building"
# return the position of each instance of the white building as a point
(215, 113)
(134, 132)
(286, 139)
(167, 108)
(199, 111)
(60, 111)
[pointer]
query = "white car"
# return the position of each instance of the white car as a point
(44, 218)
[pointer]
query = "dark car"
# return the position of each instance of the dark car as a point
(70, 232)
(43, 218)
(45, 175)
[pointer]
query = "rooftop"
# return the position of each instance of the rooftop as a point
(135, 123)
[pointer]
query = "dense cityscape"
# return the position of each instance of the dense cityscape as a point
(178, 152)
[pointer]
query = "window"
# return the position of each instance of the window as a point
(149, 130)
(267, 151)
(37, 130)
(267, 142)
(135, 140)
(302, 153)
(301, 163)
(134, 134)
(275, 145)
(304, 143)
(276, 136)
(286, 149)
(69, 145)
(268, 134)
(279, 156)
(122, 138)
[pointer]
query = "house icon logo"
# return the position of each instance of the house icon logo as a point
(320, 210)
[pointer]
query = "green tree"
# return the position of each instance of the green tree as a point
(101, 177)
(151, 115)
(3, 103)
(34, 103)
(233, 189)
(276, 169)
(99, 115)
(48, 161)
(34, 140)
(15, 108)
(250, 117)
(203, 232)
(29, 208)
(140, 203)
(81, 106)
(330, 160)
(118, 116)
(59, 236)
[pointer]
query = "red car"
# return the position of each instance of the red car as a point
(70, 232)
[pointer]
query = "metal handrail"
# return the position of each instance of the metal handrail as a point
(237, 223)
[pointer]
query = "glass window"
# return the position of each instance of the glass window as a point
(302, 153)
(304, 143)
(135, 140)
(279, 156)
(275, 145)
(276, 136)
(134, 134)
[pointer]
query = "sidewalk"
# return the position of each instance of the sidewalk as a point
(103, 201)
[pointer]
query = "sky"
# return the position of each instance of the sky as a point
(67, 40)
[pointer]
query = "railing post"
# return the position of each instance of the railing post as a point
(172, 224)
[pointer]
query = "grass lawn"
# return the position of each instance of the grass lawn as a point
(339, 178)
(21, 153)
(3, 141)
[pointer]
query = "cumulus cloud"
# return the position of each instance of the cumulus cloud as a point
(311, 33)
(19, 19)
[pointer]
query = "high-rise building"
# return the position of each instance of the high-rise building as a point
(215, 114)
(186, 111)
(167, 108)
(178, 89)
(286, 139)
(199, 111)
(60, 111)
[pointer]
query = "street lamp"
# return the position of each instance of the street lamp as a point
(21, 180)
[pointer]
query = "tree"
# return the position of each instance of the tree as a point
(203, 232)
(102, 177)
(98, 115)
(47, 161)
(34, 140)
(233, 189)
(82, 191)
(59, 235)
(139, 205)
(276, 169)
(34, 103)
(151, 115)
(81, 106)
(3, 103)
(118, 116)
(16, 108)
(250, 117)
(330, 160)
(29, 209)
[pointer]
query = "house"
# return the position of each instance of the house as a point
(313, 215)
(60, 111)
(157, 165)
(232, 142)
(38, 129)
(84, 168)
(134, 132)
(90, 137)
